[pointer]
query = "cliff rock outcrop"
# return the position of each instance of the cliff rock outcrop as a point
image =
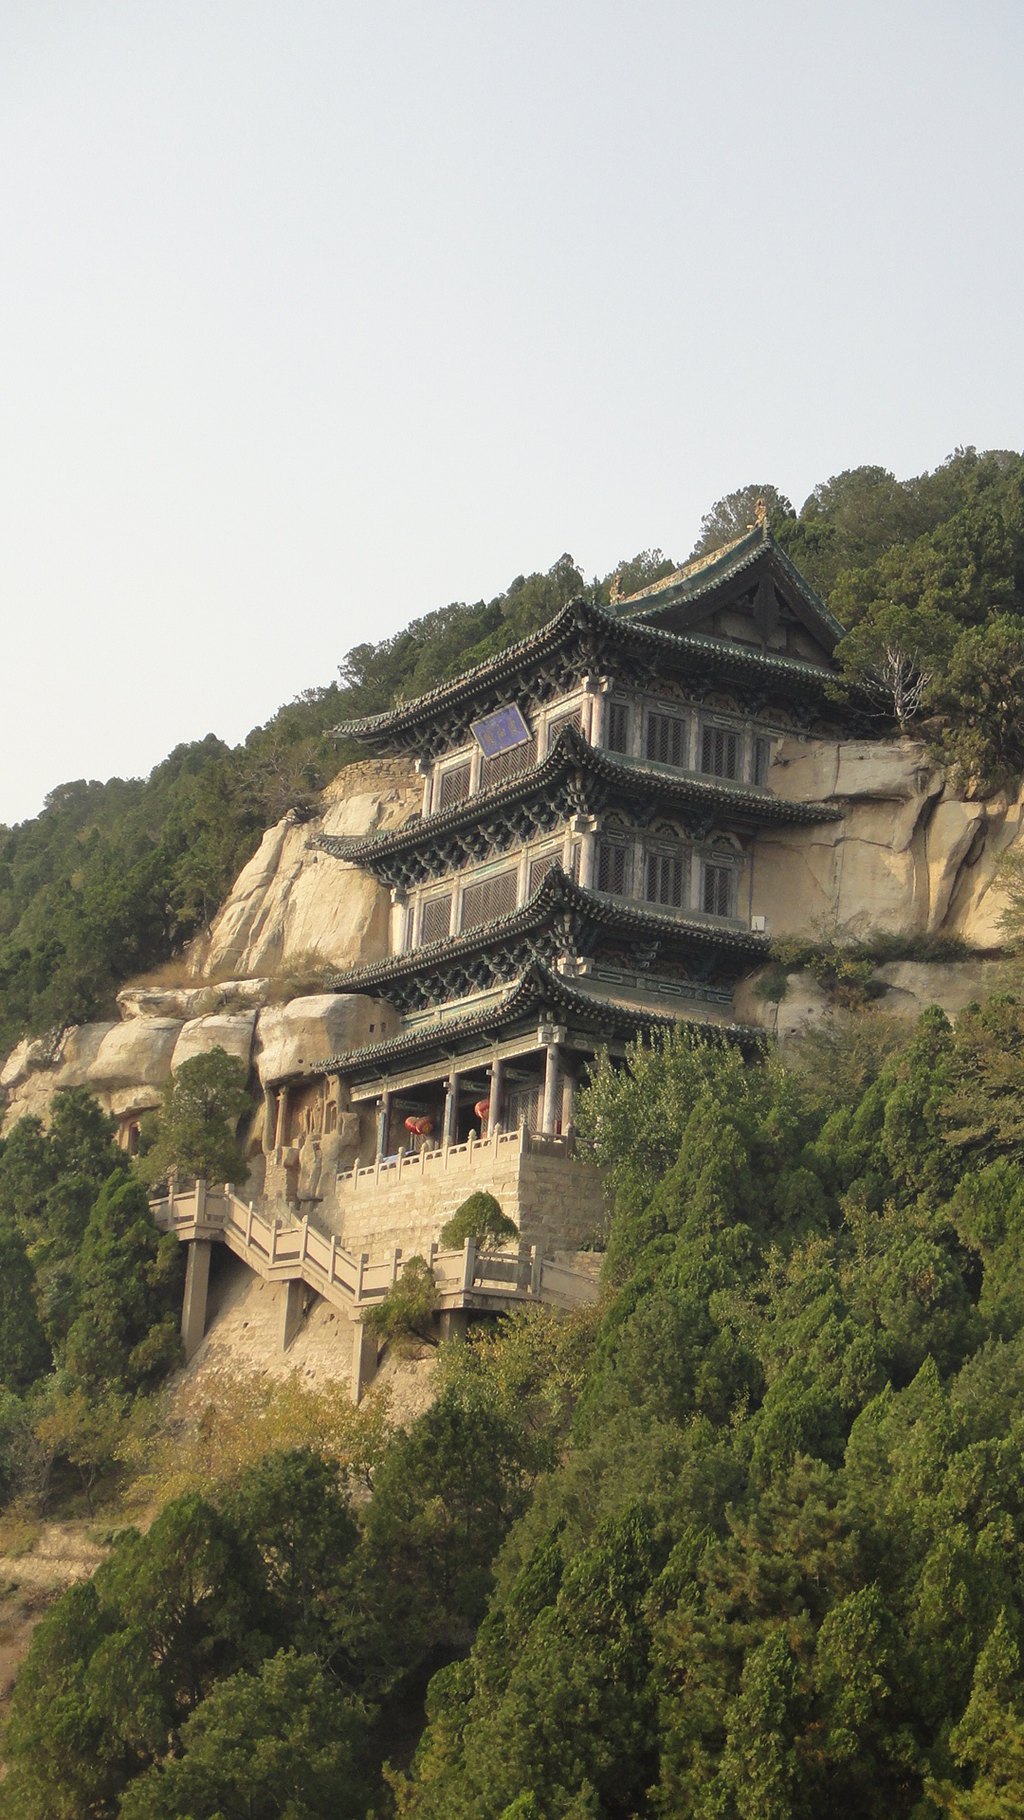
(906, 989)
(293, 1038)
(907, 857)
(290, 902)
(289, 906)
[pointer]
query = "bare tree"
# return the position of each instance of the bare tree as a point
(898, 684)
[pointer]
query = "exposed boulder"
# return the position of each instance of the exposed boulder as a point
(911, 986)
(802, 1006)
(31, 1053)
(185, 1002)
(950, 838)
(136, 1053)
(73, 1056)
(230, 1031)
(291, 1039)
(291, 902)
(907, 989)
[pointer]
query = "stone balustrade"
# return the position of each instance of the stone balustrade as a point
(303, 1258)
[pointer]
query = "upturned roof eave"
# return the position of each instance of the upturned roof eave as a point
(583, 615)
(535, 991)
(713, 563)
(571, 752)
(557, 892)
(696, 581)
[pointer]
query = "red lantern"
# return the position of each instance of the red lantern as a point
(424, 1127)
(412, 1124)
(483, 1110)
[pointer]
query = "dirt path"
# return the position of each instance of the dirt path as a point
(41, 1560)
(54, 1556)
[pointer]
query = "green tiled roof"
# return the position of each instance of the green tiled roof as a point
(556, 892)
(537, 992)
(702, 577)
(582, 618)
(572, 753)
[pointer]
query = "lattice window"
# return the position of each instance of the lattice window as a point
(507, 764)
(612, 868)
(454, 785)
(666, 739)
(572, 717)
(664, 882)
(718, 752)
(487, 899)
(540, 867)
(719, 891)
(618, 726)
(522, 1107)
(435, 920)
(762, 759)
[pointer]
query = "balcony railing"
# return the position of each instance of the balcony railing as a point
(469, 1277)
(406, 1165)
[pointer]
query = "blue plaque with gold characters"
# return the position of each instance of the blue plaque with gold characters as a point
(500, 731)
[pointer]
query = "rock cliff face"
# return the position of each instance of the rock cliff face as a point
(288, 906)
(290, 902)
(909, 987)
(908, 857)
(292, 1038)
(126, 1064)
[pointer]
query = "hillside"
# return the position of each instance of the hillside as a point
(743, 1541)
(748, 1544)
(112, 878)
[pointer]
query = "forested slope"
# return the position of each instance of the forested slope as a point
(113, 877)
(747, 1544)
(744, 1543)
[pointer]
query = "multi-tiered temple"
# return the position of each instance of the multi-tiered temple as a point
(584, 867)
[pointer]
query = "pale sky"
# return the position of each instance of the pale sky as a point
(316, 316)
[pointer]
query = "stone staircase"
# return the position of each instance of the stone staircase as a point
(303, 1258)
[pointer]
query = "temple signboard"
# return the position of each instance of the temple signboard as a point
(500, 731)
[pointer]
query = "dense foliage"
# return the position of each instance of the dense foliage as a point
(112, 878)
(744, 1543)
(89, 1297)
(778, 1569)
(193, 1134)
(258, 1651)
(481, 1219)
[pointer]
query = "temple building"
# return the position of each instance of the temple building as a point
(584, 868)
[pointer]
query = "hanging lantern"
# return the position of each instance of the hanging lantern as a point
(482, 1110)
(424, 1127)
(413, 1125)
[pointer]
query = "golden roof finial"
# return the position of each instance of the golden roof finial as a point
(761, 514)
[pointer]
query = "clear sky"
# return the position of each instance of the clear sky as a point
(317, 315)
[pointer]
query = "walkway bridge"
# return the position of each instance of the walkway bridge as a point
(304, 1259)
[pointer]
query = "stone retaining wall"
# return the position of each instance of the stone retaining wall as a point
(557, 1202)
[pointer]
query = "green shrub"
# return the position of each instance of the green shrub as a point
(194, 1133)
(480, 1218)
(773, 984)
(407, 1311)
